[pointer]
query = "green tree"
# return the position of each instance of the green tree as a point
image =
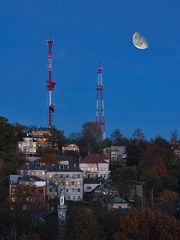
(134, 154)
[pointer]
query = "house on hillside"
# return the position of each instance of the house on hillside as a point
(94, 166)
(38, 186)
(70, 148)
(60, 176)
(116, 154)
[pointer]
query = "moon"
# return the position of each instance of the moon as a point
(139, 41)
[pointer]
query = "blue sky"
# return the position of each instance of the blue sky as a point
(141, 87)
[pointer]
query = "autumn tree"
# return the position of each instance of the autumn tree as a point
(167, 200)
(49, 158)
(91, 135)
(149, 225)
(86, 226)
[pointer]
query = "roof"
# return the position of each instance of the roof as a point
(115, 199)
(51, 168)
(62, 157)
(93, 159)
(28, 178)
(92, 181)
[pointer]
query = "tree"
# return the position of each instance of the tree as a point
(91, 135)
(10, 159)
(138, 135)
(149, 225)
(57, 140)
(134, 154)
(29, 236)
(49, 158)
(166, 200)
(7, 136)
(174, 137)
(86, 226)
(117, 138)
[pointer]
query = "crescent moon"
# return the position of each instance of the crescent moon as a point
(139, 41)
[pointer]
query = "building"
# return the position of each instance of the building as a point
(90, 184)
(28, 146)
(70, 148)
(136, 193)
(65, 176)
(38, 187)
(94, 166)
(43, 137)
(116, 154)
(35, 142)
(104, 191)
(116, 202)
(69, 178)
(107, 195)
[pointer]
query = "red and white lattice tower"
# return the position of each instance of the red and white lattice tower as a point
(100, 117)
(50, 83)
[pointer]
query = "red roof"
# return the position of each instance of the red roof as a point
(93, 159)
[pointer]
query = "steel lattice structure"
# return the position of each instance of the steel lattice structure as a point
(50, 83)
(100, 117)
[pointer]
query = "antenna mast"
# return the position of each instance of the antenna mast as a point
(100, 117)
(50, 83)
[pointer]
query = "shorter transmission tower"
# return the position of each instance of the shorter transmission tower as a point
(50, 83)
(100, 117)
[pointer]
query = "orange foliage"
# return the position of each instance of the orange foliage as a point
(49, 158)
(149, 225)
(167, 199)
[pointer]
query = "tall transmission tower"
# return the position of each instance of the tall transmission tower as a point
(50, 83)
(100, 117)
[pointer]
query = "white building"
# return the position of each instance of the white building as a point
(70, 148)
(70, 178)
(28, 146)
(94, 166)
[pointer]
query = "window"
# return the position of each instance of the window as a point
(88, 187)
(40, 191)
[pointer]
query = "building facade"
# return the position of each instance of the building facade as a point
(37, 185)
(94, 166)
(57, 177)
(116, 154)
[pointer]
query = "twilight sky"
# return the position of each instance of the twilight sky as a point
(141, 87)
